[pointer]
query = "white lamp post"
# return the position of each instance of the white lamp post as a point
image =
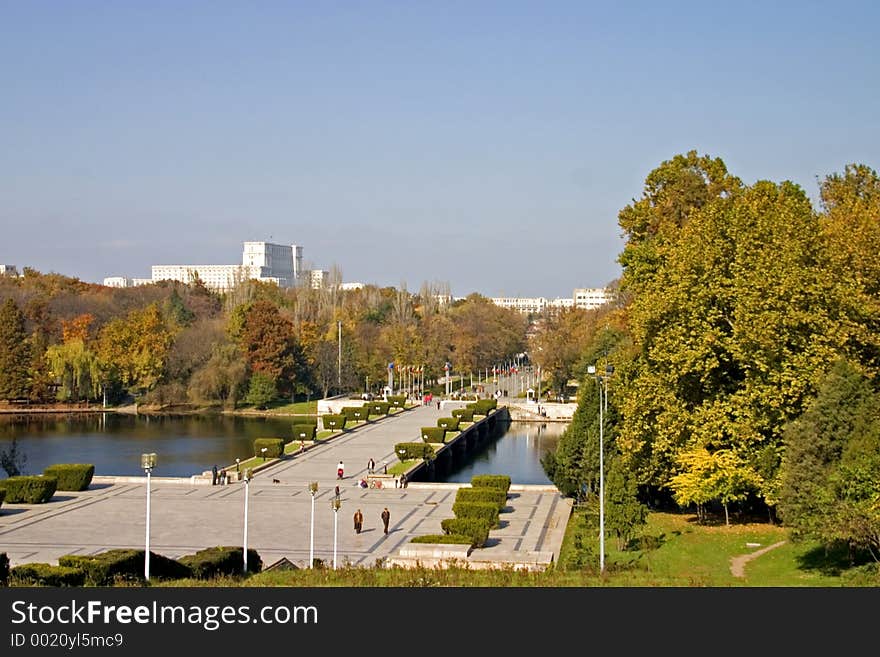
(602, 382)
(313, 489)
(247, 481)
(335, 503)
(148, 462)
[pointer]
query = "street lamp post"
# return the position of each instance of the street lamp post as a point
(148, 462)
(335, 503)
(313, 490)
(247, 481)
(339, 357)
(602, 381)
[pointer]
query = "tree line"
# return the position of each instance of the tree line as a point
(63, 340)
(745, 342)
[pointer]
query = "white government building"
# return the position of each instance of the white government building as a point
(261, 261)
(587, 298)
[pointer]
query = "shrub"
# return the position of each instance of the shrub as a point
(4, 568)
(71, 476)
(470, 407)
(501, 482)
(30, 489)
(305, 431)
(464, 414)
(274, 447)
(482, 510)
(43, 574)
(476, 528)
(433, 434)
(333, 422)
(448, 423)
(408, 451)
(216, 561)
(356, 413)
(106, 568)
(457, 539)
(397, 401)
(494, 496)
(379, 408)
(484, 406)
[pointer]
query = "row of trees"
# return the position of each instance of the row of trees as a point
(745, 315)
(61, 339)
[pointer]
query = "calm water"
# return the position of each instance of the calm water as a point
(186, 445)
(191, 444)
(515, 450)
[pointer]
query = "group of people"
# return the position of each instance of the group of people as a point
(359, 520)
(218, 477)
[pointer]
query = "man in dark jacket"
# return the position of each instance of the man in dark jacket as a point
(386, 517)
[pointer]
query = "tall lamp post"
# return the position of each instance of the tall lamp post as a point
(148, 462)
(335, 503)
(602, 381)
(339, 357)
(247, 481)
(313, 490)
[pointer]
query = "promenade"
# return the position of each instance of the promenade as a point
(186, 517)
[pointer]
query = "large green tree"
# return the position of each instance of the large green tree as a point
(14, 353)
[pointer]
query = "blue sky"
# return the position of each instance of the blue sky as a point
(485, 144)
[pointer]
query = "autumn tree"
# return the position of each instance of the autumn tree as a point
(268, 343)
(133, 348)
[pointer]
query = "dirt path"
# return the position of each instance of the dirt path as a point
(738, 564)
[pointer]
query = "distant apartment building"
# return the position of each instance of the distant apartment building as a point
(351, 286)
(122, 281)
(585, 298)
(318, 278)
(8, 270)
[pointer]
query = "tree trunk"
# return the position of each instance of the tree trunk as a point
(726, 516)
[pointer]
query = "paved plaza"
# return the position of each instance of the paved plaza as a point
(187, 517)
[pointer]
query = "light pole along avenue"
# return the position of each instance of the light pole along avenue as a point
(602, 382)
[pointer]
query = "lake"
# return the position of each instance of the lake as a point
(191, 444)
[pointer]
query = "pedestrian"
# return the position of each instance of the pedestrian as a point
(337, 492)
(438, 404)
(384, 467)
(340, 470)
(386, 517)
(223, 477)
(371, 466)
(214, 478)
(358, 521)
(403, 480)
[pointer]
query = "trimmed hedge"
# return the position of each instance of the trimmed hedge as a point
(221, 560)
(484, 406)
(274, 447)
(106, 568)
(356, 413)
(464, 414)
(29, 489)
(44, 574)
(457, 539)
(448, 423)
(397, 401)
(4, 568)
(333, 422)
(413, 451)
(494, 496)
(379, 408)
(305, 431)
(501, 482)
(483, 510)
(433, 434)
(71, 476)
(476, 528)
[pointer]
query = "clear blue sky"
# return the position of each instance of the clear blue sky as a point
(487, 144)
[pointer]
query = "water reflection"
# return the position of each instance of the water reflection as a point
(515, 449)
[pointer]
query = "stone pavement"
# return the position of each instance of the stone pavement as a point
(186, 518)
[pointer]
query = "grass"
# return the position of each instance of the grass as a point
(283, 407)
(402, 466)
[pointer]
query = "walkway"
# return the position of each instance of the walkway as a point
(738, 563)
(186, 518)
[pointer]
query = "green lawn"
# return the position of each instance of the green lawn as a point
(286, 408)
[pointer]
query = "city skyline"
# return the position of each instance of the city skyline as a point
(487, 146)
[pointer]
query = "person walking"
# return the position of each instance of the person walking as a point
(386, 517)
(340, 470)
(358, 521)
(371, 466)
(215, 475)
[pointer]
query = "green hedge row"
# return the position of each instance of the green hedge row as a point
(112, 566)
(494, 496)
(274, 447)
(379, 408)
(448, 423)
(71, 476)
(464, 414)
(484, 406)
(476, 528)
(397, 401)
(29, 489)
(501, 482)
(409, 451)
(457, 539)
(333, 421)
(356, 413)
(216, 561)
(482, 510)
(43, 574)
(433, 434)
(305, 431)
